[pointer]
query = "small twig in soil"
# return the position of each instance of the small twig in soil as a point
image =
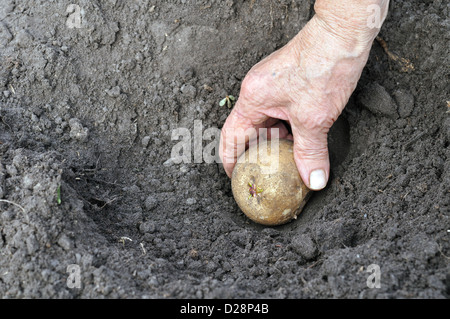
(406, 65)
(404, 196)
(311, 266)
(11, 88)
(123, 239)
(206, 7)
(109, 202)
(12, 203)
(408, 144)
(3, 121)
(144, 252)
(303, 280)
(440, 250)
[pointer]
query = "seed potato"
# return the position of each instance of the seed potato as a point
(273, 198)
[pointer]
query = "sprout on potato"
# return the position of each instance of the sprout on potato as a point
(269, 198)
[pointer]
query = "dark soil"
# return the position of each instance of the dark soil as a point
(89, 112)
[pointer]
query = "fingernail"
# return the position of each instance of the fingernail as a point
(317, 180)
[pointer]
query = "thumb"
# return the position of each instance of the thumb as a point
(311, 156)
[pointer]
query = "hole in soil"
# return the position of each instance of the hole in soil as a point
(339, 142)
(100, 199)
(97, 202)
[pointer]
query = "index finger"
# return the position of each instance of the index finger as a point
(237, 132)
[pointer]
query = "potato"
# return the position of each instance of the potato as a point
(269, 199)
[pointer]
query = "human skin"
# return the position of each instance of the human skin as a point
(307, 84)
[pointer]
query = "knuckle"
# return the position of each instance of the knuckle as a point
(317, 121)
(310, 150)
(252, 86)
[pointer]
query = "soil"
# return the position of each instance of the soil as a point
(86, 121)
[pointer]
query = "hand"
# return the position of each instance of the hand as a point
(307, 84)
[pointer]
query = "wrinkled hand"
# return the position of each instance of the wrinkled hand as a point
(307, 84)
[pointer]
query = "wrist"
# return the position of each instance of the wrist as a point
(319, 41)
(355, 22)
(328, 61)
